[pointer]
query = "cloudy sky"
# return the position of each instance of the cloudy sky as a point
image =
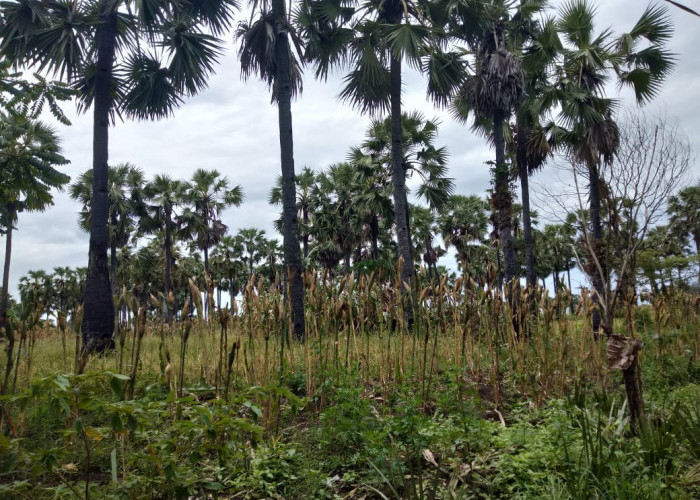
(232, 127)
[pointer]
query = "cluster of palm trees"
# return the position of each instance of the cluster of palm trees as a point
(173, 210)
(532, 83)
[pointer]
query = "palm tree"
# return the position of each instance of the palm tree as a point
(124, 193)
(228, 258)
(373, 39)
(419, 156)
(491, 93)
(250, 244)
(637, 59)
(337, 219)
(539, 47)
(463, 224)
(207, 196)
(29, 150)
(423, 232)
(266, 50)
(304, 182)
(684, 209)
(112, 52)
(162, 196)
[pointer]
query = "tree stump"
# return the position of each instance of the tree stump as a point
(623, 354)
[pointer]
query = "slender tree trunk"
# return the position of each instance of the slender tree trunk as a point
(346, 259)
(305, 237)
(503, 203)
(167, 250)
(531, 276)
(98, 321)
(5, 299)
(292, 255)
(696, 238)
(4, 302)
(374, 231)
(398, 175)
(597, 230)
(113, 254)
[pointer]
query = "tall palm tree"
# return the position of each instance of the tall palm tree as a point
(372, 39)
(135, 59)
(638, 59)
(372, 184)
(162, 196)
(125, 197)
(537, 43)
(266, 51)
(208, 194)
(492, 92)
(29, 151)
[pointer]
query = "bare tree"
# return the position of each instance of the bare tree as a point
(652, 162)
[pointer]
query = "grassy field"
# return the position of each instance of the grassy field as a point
(459, 407)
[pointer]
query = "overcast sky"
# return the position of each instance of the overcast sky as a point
(232, 127)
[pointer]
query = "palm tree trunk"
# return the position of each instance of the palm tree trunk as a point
(167, 248)
(292, 255)
(503, 203)
(113, 254)
(98, 321)
(346, 260)
(305, 237)
(374, 231)
(597, 229)
(696, 238)
(399, 183)
(531, 276)
(5, 299)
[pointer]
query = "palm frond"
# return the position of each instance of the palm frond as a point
(151, 93)
(193, 55)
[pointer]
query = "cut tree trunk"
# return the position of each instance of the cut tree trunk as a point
(623, 354)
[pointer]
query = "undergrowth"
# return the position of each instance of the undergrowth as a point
(457, 408)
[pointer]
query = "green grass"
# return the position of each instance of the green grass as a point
(457, 409)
